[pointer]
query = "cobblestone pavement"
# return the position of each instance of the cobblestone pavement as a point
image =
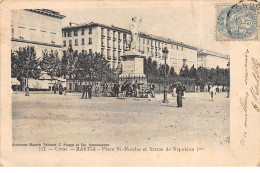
(53, 118)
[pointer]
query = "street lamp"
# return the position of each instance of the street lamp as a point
(118, 71)
(165, 55)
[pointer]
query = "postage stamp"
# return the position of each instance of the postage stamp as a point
(237, 22)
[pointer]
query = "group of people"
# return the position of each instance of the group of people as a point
(58, 87)
(87, 91)
(133, 90)
(98, 89)
(127, 88)
(173, 88)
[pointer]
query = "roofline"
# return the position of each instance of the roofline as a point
(35, 42)
(209, 52)
(142, 34)
(41, 11)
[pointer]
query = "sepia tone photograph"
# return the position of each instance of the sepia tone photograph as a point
(90, 76)
(135, 83)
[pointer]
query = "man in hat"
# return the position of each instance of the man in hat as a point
(179, 92)
(84, 94)
(123, 89)
(60, 89)
(89, 90)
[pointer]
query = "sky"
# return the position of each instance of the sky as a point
(192, 23)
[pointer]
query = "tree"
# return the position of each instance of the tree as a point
(172, 72)
(192, 72)
(51, 64)
(98, 66)
(184, 72)
(161, 69)
(150, 67)
(69, 65)
(24, 64)
(90, 66)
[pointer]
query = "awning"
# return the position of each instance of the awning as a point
(14, 81)
(38, 84)
(62, 80)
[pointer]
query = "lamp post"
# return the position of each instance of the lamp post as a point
(165, 55)
(117, 71)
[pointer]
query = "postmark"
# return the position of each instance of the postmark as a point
(237, 22)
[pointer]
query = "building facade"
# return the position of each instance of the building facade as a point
(210, 59)
(40, 28)
(112, 42)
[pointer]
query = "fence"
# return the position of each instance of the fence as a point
(159, 83)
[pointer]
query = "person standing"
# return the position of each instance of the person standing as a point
(123, 89)
(153, 90)
(89, 90)
(117, 89)
(60, 89)
(209, 86)
(174, 89)
(55, 88)
(147, 93)
(84, 94)
(96, 90)
(211, 91)
(136, 89)
(105, 87)
(130, 89)
(179, 92)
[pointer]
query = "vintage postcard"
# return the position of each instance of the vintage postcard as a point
(130, 83)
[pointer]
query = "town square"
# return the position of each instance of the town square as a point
(53, 118)
(98, 83)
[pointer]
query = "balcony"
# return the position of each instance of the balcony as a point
(109, 57)
(114, 57)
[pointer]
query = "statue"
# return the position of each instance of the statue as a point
(134, 28)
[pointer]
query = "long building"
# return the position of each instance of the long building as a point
(112, 41)
(40, 28)
(210, 59)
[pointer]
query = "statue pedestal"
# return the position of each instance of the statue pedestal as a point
(133, 68)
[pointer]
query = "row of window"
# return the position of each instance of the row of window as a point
(75, 32)
(76, 42)
(33, 35)
(153, 43)
(115, 54)
(76, 51)
(114, 34)
(32, 20)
